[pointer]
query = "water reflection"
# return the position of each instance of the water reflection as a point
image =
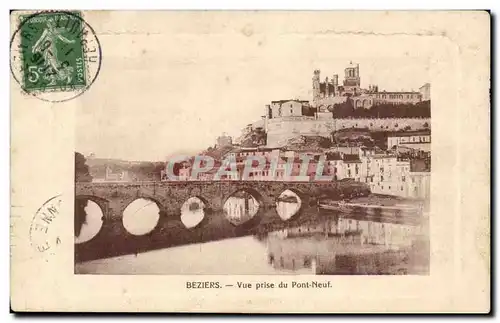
(240, 207)
(288, 204)
(192, 212)
(88, 220)
(347, 246)
(323, 244)
(141, 216)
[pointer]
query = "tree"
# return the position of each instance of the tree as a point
(82, 173)
(344, 109)
(80, 215)
(382, 110)
(148, 171)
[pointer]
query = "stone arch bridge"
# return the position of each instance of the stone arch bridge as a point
(113, 198)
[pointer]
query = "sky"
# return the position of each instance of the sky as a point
(171, 86)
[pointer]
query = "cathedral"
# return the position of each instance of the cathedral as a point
(330, 92)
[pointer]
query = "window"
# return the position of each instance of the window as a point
(382, 179)
(403, 178)
(307, 261)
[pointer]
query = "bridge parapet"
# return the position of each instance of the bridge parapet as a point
(170, 196)
(113, 198)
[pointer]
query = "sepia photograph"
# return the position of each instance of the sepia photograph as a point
(250, 161)
(323, 168)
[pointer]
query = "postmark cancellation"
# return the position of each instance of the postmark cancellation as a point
(55, 55)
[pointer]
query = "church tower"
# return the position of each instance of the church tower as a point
(335, 84)
(352, 81)
(316, 89)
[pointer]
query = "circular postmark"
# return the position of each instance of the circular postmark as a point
(54, 55)
(44, 235)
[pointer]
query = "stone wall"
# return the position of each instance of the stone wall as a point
(113, 198)
(280, 130)
(113, 239)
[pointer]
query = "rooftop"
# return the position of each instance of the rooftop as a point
(294, 100)
(333, 156)
(398, 92)
(348, 158)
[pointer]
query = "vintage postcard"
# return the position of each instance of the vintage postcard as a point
(250, 161)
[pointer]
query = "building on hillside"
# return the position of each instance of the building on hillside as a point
(419, 178)
(425, 90)
(243, 152)
(353, 165)
(418, 140)
(185, 172)
(334, 165)
(224, 141)
(328, 93)
(218, 172)
(383, 171)
(114, 175)
(419, 185)
(288, 108)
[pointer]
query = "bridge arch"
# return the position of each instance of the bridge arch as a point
(88, 225)
(194, 211)
(160, 202)
(255, 193)
(100, 201)
(246, 215)
(289, 203)
(138, 218)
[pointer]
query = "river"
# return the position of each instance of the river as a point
(331, 243)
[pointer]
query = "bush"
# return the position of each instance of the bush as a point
(383, 110)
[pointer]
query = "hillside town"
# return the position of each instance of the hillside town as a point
(390, 153)
(378, 137)
(356, 166)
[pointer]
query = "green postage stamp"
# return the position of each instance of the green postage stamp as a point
(53, 56)
(57, 51)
